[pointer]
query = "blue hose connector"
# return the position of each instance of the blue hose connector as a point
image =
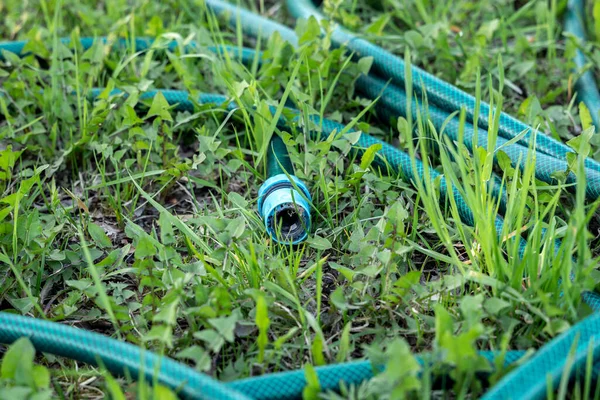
(285, 210)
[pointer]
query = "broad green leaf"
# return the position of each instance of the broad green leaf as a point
(308, 30)
(237, 199)
(198, 355)
(99, 236)
(338, 299)
(377, 27)
(319, 243)
(160, 107)
(167, 234)
(145, 248)
(80, 284)
(237, 227)
(403, 285)
(24, 304)
(8, 159)
(443, 323)
(405, 373)
(5, 212)
(41, 376)
(494, 305)
(471, 308)
(162, 334)
(163, 393)
(111, 258)
(488, 28)
(168, 313)
(18, 360)
(225, 325)
(212, 339)
(581, 143)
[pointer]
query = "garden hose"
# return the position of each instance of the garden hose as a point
(545, 166)
(389, 158)
(393, 102)
(19, 47)
(283, 199)
(437, 91)
(586, 87)
(120, 357)
(531, 380)
(126, 359)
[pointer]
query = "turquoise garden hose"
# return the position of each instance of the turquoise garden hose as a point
(126, 359)
(586, 87)
(289, 214)
(118, 357)
(437, 91)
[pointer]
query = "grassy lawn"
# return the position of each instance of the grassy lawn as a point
(127, 218)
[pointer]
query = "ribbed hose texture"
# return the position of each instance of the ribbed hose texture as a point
(439, 92)
(118, 357)
(530, 381)
(289, 385)
(252, 24)
(592, 299)
(546, 166)
(278, 158)
(140, 44)
(587, 90)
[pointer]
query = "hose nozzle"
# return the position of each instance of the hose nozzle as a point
(285, 208)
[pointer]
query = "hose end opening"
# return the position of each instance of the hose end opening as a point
(284, 206)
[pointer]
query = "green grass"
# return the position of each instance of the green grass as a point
(144, 226)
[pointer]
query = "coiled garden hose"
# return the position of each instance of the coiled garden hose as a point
(121, 357)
